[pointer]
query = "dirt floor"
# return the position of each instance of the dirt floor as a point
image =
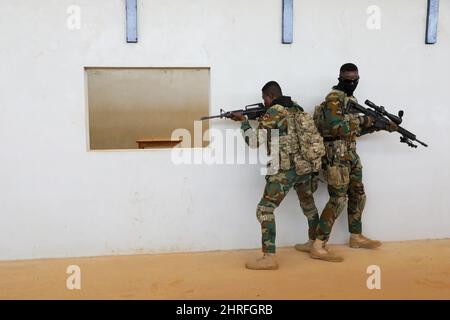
(409, 270)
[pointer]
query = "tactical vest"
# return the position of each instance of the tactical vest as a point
(351, 118)
(302, 144)
(338, 148)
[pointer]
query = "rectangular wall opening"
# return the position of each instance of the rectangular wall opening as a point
(131, 108)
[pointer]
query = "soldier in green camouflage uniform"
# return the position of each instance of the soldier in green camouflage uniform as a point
(286, 177)
(342, 165)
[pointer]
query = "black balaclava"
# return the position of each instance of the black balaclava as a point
(348, 86)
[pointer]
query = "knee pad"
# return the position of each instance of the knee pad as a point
(359, 188)
(359, 196)
(264, 213)
(361, 202)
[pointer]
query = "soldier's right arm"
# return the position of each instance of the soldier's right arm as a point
(274, 118)
(249, 134)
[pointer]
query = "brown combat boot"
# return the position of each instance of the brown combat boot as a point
(320, 251)
(304, 247)
(267, 262)
(359, 241)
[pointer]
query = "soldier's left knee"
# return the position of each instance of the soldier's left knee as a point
(358, 189)
(264, 214)
(362, 197)
(359, 200)
(362, 202)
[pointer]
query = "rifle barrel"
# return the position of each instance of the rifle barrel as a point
(422, 143)
(211, 117)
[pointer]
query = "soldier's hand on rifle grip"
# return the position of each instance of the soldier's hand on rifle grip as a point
(366, 121)
(391, 127)
(236, 116)
(379, 125)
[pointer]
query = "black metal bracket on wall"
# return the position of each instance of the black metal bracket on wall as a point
(131, 13)
(432, 21)
(288, 22)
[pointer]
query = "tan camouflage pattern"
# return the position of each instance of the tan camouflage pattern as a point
(279, 184)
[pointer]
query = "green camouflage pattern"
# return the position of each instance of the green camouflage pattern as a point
(334, 120)
(350, 191)
(279, 184)
(274, 118)
(342, 164)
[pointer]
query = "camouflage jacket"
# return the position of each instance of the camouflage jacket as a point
(272, 119)
(336, 121)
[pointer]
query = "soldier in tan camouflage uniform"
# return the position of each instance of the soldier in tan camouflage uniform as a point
(297, 168)
(343, 170)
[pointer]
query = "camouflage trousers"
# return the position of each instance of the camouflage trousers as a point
(277, 186)
(345, 186)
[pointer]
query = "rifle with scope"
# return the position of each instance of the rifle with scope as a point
(382, 119)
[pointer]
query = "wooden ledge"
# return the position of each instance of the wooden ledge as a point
(157, 143)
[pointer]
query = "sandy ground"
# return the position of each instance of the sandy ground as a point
(409, 270)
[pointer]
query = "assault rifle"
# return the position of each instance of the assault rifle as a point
(252, 111)
(382, 119)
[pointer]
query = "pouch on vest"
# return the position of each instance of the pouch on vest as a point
(338, 176)
(302, 166)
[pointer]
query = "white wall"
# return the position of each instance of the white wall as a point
(60, 200)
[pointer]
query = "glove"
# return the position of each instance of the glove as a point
(366, 121)
(379, 125)
(391, 127)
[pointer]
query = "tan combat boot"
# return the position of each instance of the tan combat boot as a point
(359, 241)
(267, 262)
(304, 247)
(320, 251)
